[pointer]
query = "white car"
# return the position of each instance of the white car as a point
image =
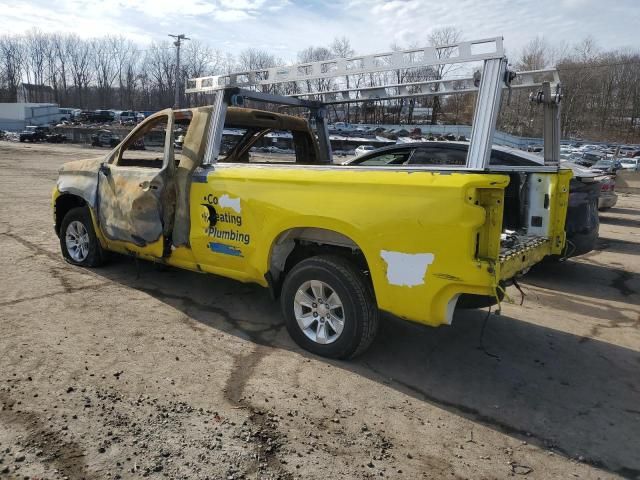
(128, 116)
(342, 127)
(362, 149)
(630, 163)
(627, 151)
(587, 148)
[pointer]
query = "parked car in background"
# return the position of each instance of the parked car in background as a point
(607, 165)
(608, 197)
(362, 149)
(630, 163)
(104, 138)
(582, 223)
(66, 114)
(627, 151)
(566, 152)
(34, 133)
(534, 148)
(101, 116)
(341, 127)
(588, 147)
(83, 116)
(54, 137)
(589, 158)
(128, 117)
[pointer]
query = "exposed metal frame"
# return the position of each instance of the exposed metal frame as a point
(234, 96)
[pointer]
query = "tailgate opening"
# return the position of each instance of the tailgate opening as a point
(524, 222)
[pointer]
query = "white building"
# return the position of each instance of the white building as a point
(16, 116)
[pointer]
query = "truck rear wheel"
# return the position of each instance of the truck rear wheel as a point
(329, 307)
(78, 240)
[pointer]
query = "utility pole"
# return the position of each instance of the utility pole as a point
(177, 43)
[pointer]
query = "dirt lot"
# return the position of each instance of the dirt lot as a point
(132, 370)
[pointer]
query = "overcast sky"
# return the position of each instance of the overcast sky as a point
(287, 26)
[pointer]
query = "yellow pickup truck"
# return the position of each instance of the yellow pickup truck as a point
(337, 244)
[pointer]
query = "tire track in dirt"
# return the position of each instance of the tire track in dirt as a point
(265, 434)
(53, 294)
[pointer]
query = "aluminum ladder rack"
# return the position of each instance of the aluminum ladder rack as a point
(316, 84)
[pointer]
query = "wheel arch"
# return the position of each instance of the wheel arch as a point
(297, 243)
(63, 204)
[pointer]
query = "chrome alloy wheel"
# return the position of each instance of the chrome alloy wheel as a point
(319, 312)
(77, 241)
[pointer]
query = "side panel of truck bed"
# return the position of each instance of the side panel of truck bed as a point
(419, 231)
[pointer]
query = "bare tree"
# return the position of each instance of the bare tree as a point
(441, 37)
(78, 53)
(59, 52)
(105, 68)
(11, 56)
(341, 48)
(256, 59)
(535, 55)
(35, 55)
(125, 56)
(160, 64)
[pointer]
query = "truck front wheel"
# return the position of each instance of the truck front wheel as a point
(329, 307)
(78, 240)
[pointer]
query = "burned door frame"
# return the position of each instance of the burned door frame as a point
(135, 203)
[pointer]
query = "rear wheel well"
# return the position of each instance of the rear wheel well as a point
(64, 203)
(298, 244)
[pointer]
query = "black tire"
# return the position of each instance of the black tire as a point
(360, 310)
(96, 255)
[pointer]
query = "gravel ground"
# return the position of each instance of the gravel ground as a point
(133, 370)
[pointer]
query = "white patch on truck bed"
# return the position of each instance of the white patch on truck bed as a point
(226, 201)
(406, 269)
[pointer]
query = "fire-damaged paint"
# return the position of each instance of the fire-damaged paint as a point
(242, 220)
(80, 178)
(190, 158)
(128, 211)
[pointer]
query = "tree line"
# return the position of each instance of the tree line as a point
(601, 92)
(601, 88)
